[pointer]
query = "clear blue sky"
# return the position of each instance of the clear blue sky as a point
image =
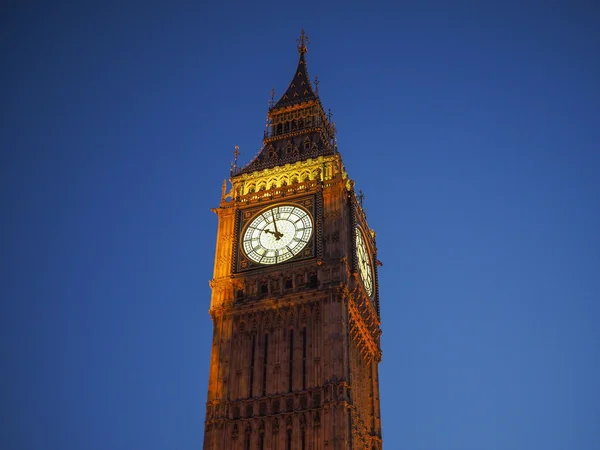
(472, 127)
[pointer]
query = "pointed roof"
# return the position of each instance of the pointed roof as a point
(288, 139)
(300, 90)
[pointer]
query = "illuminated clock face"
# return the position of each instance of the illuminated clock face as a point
(364, 263)
(277, 234)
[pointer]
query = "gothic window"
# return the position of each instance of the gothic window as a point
(303, 432)
(302, 406)
(300, 123)
(306, 144)
(317, 399)
(293, 124)
(313, 280)
(248, 429)
(304, 359)
(265, 361)
(251, 189)
(286, 127)
(239, 293)
(279, 129)
(349, 419)
(252, 288)
(275, 286)
(264, 288)
(288, 283)
(291, 361)
(250, 385)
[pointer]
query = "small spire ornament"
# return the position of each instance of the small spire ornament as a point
(236, 154)
(361, 197)
(317, 85)
(302, 41)
(272, 99)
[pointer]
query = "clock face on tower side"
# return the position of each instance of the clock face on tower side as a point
(277, 234)
(364, 263)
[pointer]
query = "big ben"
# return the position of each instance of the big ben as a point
(295, 301)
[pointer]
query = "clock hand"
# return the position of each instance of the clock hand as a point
(277, 234)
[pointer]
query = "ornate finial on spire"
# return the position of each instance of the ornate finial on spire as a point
(236, 153)
(329, 114)
(317, 85)
(272, 99)
(361, 197)
(302, 41)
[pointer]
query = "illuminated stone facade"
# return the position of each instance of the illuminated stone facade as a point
(296, 343)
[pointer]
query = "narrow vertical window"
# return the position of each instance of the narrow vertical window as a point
(350, 423)
(252, 366)
(289, 439)
(247, 442)
(304, 358)
(262, 441)
(291, 362)
(303, 439)
(264, 378)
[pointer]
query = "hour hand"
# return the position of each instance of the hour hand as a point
(274, 233)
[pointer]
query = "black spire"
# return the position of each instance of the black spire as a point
(300, 89)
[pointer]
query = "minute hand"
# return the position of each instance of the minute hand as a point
(277, 233)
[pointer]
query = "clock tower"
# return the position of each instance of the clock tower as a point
(295, 301)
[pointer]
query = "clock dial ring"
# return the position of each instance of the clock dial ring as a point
(365, 269)
(277, 234)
